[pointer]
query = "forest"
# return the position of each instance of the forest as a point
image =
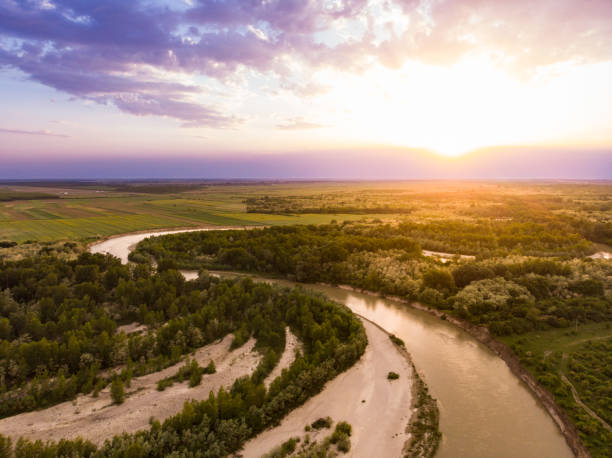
(495, 211)
(512, 295)
(58, 338)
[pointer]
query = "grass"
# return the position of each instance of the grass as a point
(560, 340)
(578, 358)
(87, 214)
(83, 211)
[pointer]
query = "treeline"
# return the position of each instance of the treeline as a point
(484, 239)
(8, 196)
(320, 204)
(488, 238)
(533, 220)
(305, 253)
(509, 295)
(157, 188)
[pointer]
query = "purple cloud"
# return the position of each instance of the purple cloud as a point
(114, 51)
(44, 133)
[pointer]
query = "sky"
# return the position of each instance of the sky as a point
(306, 89)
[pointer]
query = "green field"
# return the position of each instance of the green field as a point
(87, 214)
(45, 212)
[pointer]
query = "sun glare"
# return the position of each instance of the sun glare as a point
(450, 110)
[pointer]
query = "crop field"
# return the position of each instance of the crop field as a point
(87, 214)
(85, 211)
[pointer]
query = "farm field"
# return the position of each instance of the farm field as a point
(88, 211)
(89, 214)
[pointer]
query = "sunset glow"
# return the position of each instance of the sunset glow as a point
(224, 78)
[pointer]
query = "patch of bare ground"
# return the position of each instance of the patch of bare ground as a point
(98, 419)
(377, 408)
(292, 344)
(131, 328)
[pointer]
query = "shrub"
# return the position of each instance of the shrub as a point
(397, 341)
(322, 423)
(210, 369)
(344, 444)
(195, 378)
(392, 376)
(344, 428)
(117, 391)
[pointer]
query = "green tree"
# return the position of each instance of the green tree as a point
(117, 391)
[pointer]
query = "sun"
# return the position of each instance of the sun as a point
(451, 147)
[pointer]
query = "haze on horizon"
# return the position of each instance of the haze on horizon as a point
(306, 89)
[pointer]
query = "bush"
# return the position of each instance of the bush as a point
(344, 444)
(344, 428)
(392, 376)
(322, 423)
(195, 378)
(164, 383)
(117, 391)
(210, 369)
(397, 341)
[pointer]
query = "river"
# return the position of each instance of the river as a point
(485, 411)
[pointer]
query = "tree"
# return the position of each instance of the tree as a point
(439, 279)
(117, 391)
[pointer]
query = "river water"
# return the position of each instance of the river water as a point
(485, 411)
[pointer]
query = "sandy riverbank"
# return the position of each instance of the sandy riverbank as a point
(292, 344)
(121, 245)
(379, 423)
(97, 419)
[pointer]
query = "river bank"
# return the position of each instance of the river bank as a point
(483, 335)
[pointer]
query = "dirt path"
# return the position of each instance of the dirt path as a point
(97, 419)
(586, 408)
(586, 339)
(292, 344)
(379, 423)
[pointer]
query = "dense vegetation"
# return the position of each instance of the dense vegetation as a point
(59, 321)
(510, 295)
(590, 370)
(566, 358)
(8, 196)
(470, 218)
(513, 295)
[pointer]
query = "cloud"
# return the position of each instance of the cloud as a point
(124, 52)
(521, 35)
(298, 124)
(43, 133)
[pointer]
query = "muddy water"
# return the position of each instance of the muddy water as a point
(485, 411)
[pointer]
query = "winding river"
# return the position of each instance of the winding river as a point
(485, 411)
